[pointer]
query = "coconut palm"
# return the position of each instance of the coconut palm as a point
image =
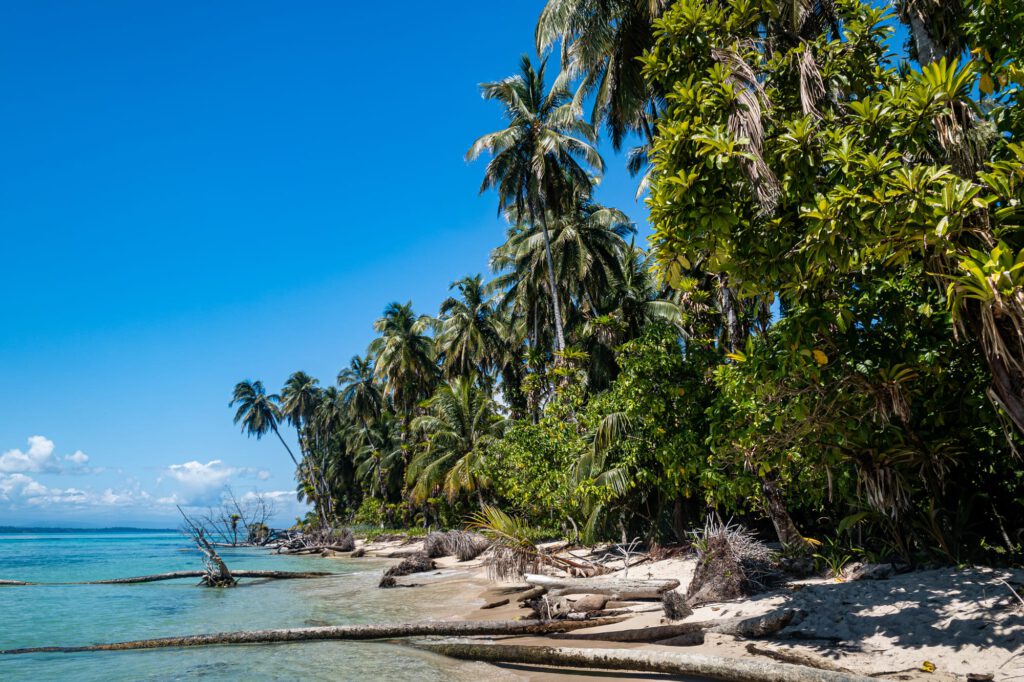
(378, 455)
(404, 357)
(602, 42)
(461, 421)
(467, 337)
(360, 391)
(539, 161)
(258, 411)
(586, 245)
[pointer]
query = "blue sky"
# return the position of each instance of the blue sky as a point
(195, 193)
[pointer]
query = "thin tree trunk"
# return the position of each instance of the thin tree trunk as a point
(775, 507)
(668, 662)
(290, 453)
(177, 575)
(337, 632)
(555, 304)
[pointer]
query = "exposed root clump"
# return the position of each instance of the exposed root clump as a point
(731, 563)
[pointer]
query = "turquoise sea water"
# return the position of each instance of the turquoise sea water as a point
(83, 614)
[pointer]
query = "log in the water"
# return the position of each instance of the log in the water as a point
(669, 662)
(621, 588)
(336, 632)
(176, 575)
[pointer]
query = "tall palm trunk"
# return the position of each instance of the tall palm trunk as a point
(555, 304)
(285, 444)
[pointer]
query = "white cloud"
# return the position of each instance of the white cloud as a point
(39, 457)
(197, 475)
(21, 490)
(77, 457)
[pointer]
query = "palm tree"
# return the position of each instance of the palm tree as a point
(460, 423)
(299, 398)
(378, 454)
(587, 246)
(602, 42)
(467, 338)
(538, 160)
(258, 411)
(404, 358)
(360, 391)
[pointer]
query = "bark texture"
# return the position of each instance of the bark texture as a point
(672, 663)
(622, 589)
(336, 632)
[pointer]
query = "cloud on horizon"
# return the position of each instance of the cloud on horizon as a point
(189, 484)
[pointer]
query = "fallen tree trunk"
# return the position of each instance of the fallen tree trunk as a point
(335, 632)
(623, 589)
(316, 549)
(758, 626)
(175, 575)
(712, 667)
(795, 657)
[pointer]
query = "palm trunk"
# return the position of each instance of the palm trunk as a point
(285, 444)
(555, 304)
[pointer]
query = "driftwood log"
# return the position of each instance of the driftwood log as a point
(175, 575)
(672, 663)
(336, 632)
(749, 628)
(622, 589)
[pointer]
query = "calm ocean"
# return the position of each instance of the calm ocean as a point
(83, 614)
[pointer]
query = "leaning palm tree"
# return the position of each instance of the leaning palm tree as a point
(258, 411)
(299, 398)
(460, 423)
(404, 358)
(539, 161)
(602, 42)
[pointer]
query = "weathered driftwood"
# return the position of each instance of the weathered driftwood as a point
(495, 604)
(175, 575)
(335, 632)
(619, 588)
(316, 549)
(758, 626)
(795, 657)
(672, 663)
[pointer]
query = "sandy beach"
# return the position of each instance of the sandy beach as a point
(938, 624)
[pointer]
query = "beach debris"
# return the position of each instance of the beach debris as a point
(417, 563)
(620, 589)
(789, 655)
(731, 563)
(747, 628)
(215, 571)
(669, 662)
(862, 571)
(495, 604)
(336, 633)
(463, 545)
(675, 605)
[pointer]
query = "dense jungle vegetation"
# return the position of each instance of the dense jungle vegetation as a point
(825, 337)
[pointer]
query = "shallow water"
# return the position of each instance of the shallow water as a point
(83, 614)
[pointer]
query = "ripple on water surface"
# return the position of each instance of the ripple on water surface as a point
(83, 614)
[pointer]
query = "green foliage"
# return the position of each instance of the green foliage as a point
(827, 333)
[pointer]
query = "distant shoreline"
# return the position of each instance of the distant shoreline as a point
(11, 530)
